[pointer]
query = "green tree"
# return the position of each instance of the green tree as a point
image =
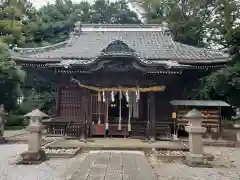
(11, 77)
(225, 83)
(205, 23)
(16, 21)
(57, 20)
(186, 19)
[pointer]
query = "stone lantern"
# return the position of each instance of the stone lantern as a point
(34, 154)
(195, 129)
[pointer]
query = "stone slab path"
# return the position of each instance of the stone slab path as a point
(114, 166)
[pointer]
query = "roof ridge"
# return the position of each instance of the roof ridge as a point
(121, 25)
(42, 48)
(204, 49)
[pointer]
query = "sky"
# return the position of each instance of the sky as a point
(40, 3)
(132, 6)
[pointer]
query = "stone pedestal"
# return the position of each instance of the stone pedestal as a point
(238, 136)
(2, 140)
(195, 130)
(34, 154)
(2, 122)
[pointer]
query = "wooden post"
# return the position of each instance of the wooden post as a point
(58, 100)
(148, 118)
(152, 115)
(220, 122)
(83, 118)
(175, 125)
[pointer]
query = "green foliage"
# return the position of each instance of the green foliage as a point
(223, 84)
(57, 20)
(10, 79)
(196, 22)
(14, 120)
(201, 23)
(187, 20)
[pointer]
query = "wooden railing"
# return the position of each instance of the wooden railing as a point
(72, 126)
(164, 128)
(211, 120)
(65, 126)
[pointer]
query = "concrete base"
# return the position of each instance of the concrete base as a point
(238, 136)
(175, 137)
(63, 154)
(203, 165)
(152, 140)
(196, 160)
(30, 157)
(2, 140)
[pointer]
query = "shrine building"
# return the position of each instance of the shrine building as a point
(119, 80)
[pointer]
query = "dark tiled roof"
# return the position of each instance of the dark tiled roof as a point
(199, 103)
(148, 43)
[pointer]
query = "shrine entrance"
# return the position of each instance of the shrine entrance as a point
(117, 107)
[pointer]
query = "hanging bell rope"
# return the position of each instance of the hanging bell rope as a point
(106, 120)
(127, 96)
(120, 112)
(112, 96)
(103, 94)
(99, 108)
(138, 95)
(129, 112)
(122, 89)
(99, 97)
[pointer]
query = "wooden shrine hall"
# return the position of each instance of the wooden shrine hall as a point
(118, 80)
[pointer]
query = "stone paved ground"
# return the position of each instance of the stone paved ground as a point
(10, 133)
(105, 165)
(114, 165)
(54, 169)
(117, 143)
(227, 167)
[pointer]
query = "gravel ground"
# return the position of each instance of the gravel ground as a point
(54, 169)
(227, 167)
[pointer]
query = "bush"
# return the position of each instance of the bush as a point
(14, 120)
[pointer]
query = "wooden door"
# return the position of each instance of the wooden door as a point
(98, 112)
(98, 109)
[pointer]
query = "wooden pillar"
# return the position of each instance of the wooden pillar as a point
(152, 115)
(141, 106)
(83, 115)
(58, 100)
(220, 130)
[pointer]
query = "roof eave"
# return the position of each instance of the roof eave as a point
(181, 61)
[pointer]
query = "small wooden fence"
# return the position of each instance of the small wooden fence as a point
(75, 128)
(60, 126)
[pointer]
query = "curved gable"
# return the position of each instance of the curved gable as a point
(117, 46)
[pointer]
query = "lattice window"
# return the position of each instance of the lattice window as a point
(70, 104)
